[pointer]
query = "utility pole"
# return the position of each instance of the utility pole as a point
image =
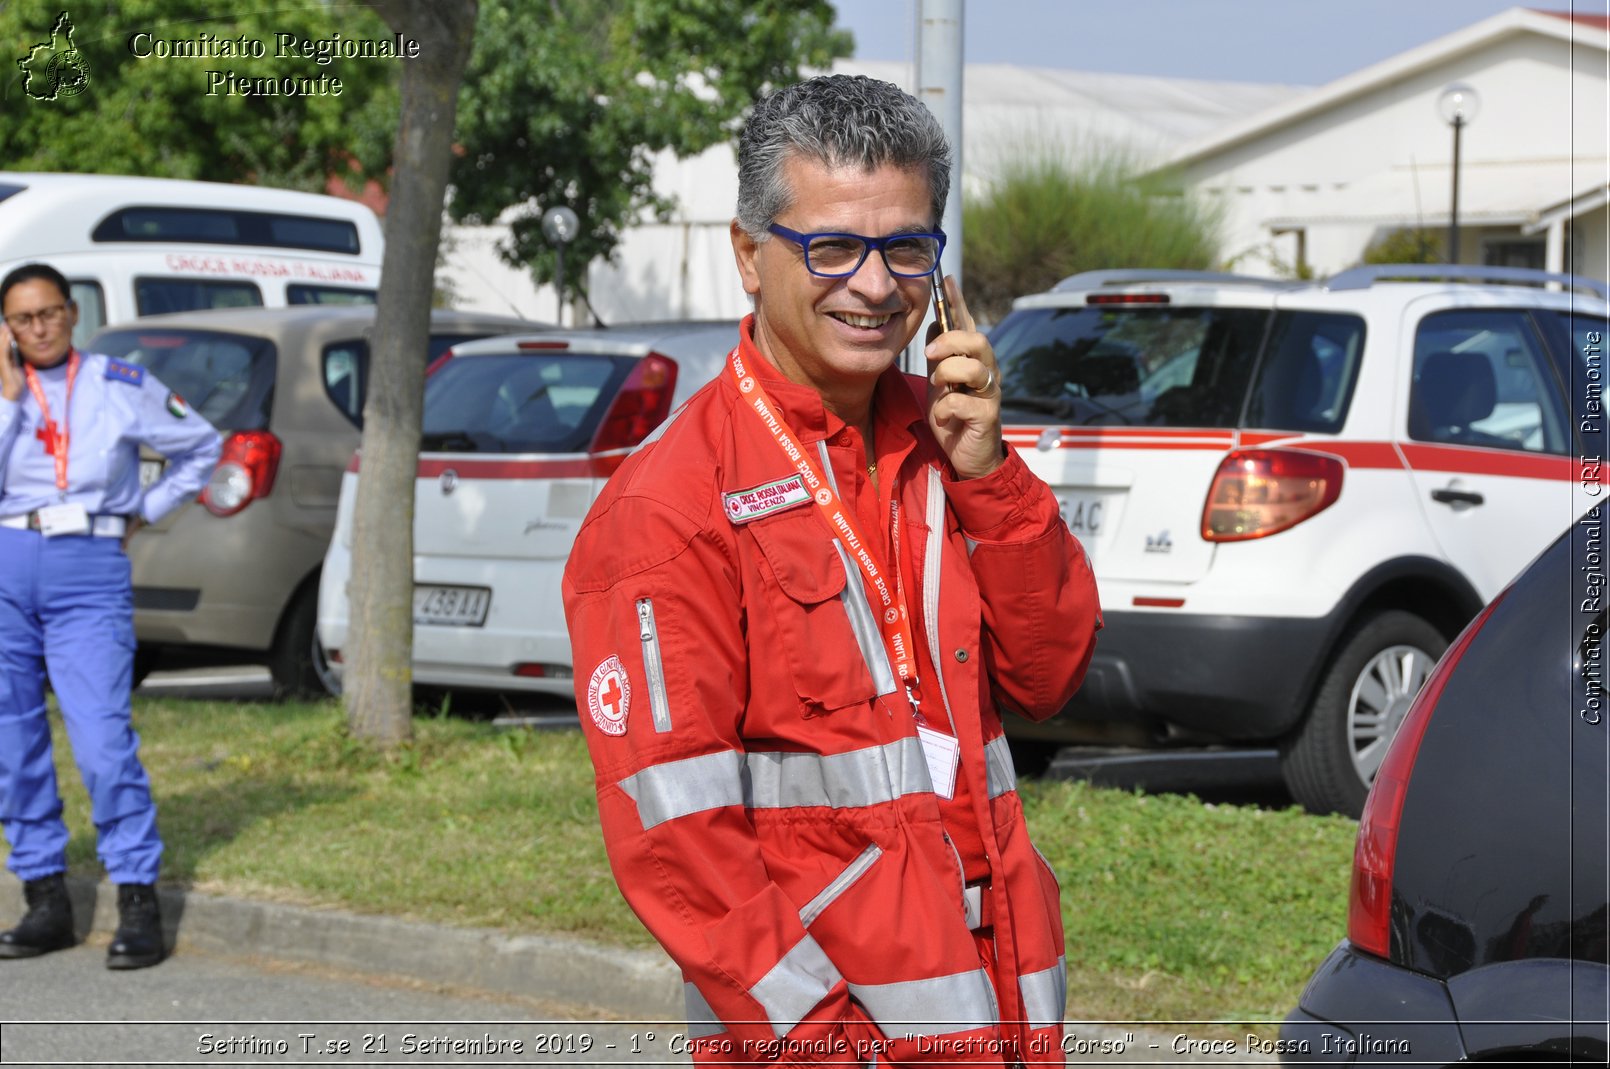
(939, 86)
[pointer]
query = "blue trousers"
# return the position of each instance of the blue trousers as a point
(67, 608)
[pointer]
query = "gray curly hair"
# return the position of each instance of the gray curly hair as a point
(839, 120)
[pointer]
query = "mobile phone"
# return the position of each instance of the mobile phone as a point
(16, 354)
(941, 303)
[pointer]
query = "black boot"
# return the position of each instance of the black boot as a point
(138, 940)
(48, 924)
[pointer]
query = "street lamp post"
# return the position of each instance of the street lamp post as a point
(560, 226)
(1458, 106)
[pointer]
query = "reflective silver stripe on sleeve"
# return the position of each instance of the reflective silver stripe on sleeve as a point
(850, 780)
(840, 883)
(856, 606)
(1045, 994)
(964, 1000)
(999, 768)
(702, 1020)
(795, 985)
(678, 788)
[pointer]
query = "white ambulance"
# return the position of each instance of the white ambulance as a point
(142, 246)
(1295, 494)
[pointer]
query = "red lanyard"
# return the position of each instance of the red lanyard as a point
(55, 441)
(893, 620)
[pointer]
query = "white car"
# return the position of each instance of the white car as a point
(520, 434)
(1294, 494)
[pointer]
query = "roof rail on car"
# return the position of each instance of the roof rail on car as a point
(1134, 276)
(1358, 278)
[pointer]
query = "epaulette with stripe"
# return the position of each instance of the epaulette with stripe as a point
(122, 371)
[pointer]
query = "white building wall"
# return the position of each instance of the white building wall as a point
(1534, 106)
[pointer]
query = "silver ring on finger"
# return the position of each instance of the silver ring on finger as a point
(989, 383)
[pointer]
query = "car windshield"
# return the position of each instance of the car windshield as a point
(540, 402)
(227, 378)
(1139, 364)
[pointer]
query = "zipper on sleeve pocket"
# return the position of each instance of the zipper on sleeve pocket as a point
(658, 703)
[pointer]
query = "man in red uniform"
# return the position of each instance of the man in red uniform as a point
(797, 616)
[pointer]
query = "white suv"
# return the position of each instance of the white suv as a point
(1295, 494)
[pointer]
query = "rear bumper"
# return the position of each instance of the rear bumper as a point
(1237, 678)
(525, 624)
(1361, 1010)
(192, 588)
(1358, 1009)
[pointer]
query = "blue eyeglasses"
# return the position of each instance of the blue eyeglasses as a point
(829, 255)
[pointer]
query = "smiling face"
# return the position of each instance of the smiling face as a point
(44, 341)
(837, 334)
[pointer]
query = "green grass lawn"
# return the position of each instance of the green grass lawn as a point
(1175, 910)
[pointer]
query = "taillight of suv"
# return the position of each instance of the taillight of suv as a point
(1258, 492)
(244, 473)
(641, 405)
(1369, 903)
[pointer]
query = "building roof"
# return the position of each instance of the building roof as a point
(1600, 21)
(1149, 116)
(1590, 31)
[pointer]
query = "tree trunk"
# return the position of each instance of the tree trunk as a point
(378, 687)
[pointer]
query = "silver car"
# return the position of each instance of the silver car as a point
(235, 576)
(520, 435)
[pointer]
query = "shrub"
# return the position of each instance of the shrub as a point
(1051, 213)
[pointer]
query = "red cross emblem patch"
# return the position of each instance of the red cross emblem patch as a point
(608, 696)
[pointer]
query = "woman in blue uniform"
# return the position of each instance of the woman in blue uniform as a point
(71, 428)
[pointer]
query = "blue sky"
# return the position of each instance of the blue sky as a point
(1297, 42)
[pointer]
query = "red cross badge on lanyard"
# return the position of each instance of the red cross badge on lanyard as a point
(55, 441)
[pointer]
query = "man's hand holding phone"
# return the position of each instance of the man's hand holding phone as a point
(964, 395)
(11, 377)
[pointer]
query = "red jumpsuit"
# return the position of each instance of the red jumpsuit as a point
(765, 800)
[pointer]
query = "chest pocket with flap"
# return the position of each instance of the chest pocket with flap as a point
(818, 613)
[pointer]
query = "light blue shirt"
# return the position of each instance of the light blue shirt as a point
(116, 408)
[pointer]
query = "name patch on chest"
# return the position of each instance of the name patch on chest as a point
(745, 505)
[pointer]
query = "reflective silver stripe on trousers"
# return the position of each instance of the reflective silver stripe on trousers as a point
(795, 985)
(858, 608)
(702, 1020)
(1002, 774)
(770, 780)
(851, 780)
(692, 785)
(964, 1001)
(1045, 994)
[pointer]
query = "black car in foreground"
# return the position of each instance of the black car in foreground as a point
(1477, 922)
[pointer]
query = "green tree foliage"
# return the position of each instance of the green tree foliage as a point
(566, 102)
(1416, 246)
(1049, 215)
(154, 115)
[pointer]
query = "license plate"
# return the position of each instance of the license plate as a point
(1085, 514)
(451, 606)
(150, 472)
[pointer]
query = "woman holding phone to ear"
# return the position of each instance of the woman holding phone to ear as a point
(71, 428)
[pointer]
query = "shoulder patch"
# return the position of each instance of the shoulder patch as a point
(122, 371)
(176, 406)
(609, 695)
